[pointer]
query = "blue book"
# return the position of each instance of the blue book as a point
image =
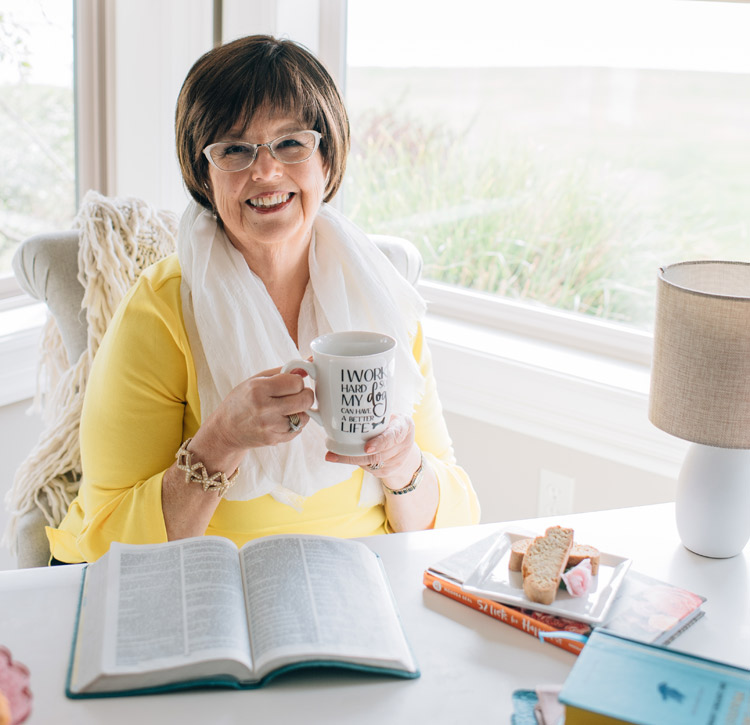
(199, 613)
(618, 680)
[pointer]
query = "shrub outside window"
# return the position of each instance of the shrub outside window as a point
(552, 153)
(37, 127)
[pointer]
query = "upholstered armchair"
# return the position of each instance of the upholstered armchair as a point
(50, 268)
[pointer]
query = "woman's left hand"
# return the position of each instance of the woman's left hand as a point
(393, 453)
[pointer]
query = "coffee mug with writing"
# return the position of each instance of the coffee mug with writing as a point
(352, 373)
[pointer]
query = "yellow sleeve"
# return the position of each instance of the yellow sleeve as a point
(137, 410)
(458, 501)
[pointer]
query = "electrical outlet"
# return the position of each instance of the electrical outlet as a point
(555, 494)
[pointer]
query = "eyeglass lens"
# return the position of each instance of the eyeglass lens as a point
(291, 149)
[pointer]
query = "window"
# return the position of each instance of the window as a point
(37, 137)
(552, 153)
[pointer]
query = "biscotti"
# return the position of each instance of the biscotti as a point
(578, 553)
(544, 564)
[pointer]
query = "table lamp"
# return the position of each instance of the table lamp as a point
(700, 391)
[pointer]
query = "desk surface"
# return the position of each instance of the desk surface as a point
(470, 663)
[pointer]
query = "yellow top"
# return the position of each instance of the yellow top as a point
(142, 402)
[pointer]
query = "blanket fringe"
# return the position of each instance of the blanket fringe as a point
(119, 238)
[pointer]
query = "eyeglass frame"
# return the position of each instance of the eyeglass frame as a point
(257, 146)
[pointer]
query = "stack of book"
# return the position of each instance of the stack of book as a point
(624, 672)
(645, 608)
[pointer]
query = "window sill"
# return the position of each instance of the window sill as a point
(591, 403)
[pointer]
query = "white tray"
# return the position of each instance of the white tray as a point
(492, 579)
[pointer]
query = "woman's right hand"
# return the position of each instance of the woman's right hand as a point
(256, 412)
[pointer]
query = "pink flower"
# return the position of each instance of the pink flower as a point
(578, 579)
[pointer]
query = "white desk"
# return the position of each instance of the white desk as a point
(470, 663)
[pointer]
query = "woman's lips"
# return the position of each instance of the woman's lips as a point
(269, 203)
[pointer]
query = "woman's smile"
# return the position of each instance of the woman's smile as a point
(270, 201)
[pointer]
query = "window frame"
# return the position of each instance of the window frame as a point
(11, 294)
(559, 327)
(95, 117)
(561, 377)
(95, 39)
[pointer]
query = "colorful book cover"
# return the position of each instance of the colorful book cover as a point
(526, 620)
(616, 679)
(653, 611)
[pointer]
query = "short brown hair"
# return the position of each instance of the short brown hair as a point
(229, 84)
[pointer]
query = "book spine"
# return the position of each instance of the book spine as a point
(501, 612)
(674, 635)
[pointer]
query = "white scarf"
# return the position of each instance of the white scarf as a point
(235, 331)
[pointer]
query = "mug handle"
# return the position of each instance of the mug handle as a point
(309, 368)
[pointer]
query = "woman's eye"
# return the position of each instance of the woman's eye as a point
(288, 143)
(236, 150)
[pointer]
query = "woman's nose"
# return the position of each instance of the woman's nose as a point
(265, 166)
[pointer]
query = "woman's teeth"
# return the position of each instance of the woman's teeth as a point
(265, 202)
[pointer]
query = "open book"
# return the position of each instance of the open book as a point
(197, 612)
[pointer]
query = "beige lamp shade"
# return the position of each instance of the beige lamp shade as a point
(700, 377)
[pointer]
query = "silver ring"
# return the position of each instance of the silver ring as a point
(375, 466)
(294, 423)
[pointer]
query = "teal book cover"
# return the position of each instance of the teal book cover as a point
(647, 684)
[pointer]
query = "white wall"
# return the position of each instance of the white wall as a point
(506, 467)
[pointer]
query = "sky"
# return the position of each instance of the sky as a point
(674, 34)
(705, 35)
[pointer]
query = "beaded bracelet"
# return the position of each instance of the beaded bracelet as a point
(416, 479)
(197, 473)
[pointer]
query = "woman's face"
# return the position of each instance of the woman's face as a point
(270, 203)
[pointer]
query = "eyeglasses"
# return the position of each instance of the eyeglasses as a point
(294, 148)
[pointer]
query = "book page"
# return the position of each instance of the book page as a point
(175, 603)
(320, 598)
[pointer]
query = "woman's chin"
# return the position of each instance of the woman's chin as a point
(269, 230)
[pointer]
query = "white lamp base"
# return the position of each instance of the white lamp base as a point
(713, 501)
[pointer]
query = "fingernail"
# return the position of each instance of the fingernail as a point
(332, 457)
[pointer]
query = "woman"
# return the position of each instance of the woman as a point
(188, 427)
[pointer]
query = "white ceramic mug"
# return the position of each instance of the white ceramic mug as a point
(353, 372)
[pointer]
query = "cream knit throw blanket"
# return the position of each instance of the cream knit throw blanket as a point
(119, 238)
